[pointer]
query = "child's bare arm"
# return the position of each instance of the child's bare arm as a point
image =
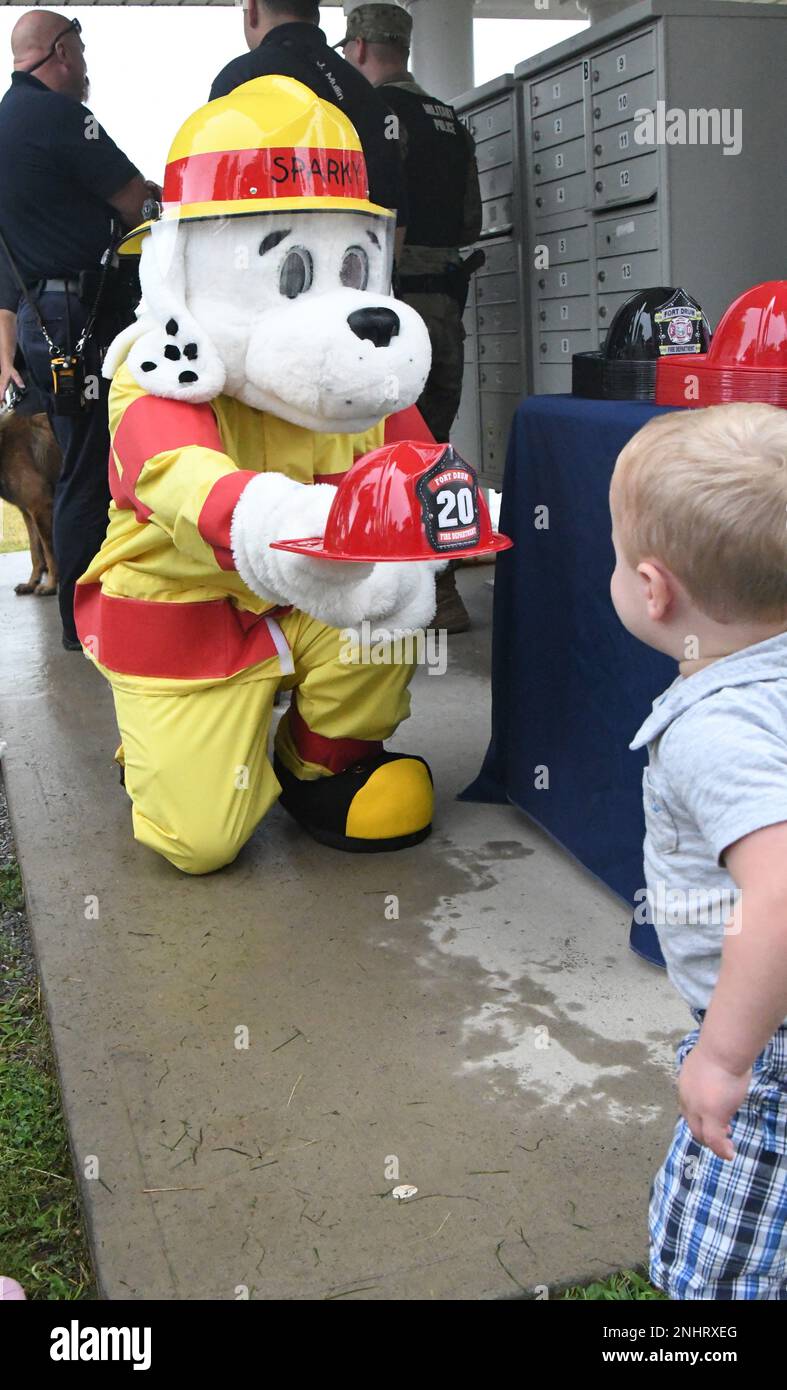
(750, 999)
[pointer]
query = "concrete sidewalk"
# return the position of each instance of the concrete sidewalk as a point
(497, 1046)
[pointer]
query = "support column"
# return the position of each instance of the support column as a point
(442, 57)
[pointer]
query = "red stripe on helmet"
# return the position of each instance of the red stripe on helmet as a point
(229, 176)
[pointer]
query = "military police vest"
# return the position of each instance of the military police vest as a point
(436, 168)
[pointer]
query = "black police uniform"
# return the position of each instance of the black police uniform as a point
(301, 51)
(444, 214)
(58, 167)
(439, 152)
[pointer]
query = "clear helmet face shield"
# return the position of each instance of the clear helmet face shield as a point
(251, 262)
(353, 251)
(297, 306)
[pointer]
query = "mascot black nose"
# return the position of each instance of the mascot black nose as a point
(378, 325)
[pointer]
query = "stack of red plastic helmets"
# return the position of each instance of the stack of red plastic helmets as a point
(747, 359)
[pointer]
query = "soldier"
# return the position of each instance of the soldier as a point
(444, 213)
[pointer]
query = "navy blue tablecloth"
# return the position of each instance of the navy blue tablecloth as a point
(570, 687)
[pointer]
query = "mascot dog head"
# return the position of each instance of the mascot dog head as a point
(266, 274)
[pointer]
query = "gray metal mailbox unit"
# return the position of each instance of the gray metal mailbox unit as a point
(495, 320)
(607, 214)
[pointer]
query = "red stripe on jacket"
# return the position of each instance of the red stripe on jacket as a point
(408, 424)
(405, 424)
(334, 753)
(215, 519)
(178, 641)
(152, 425)
(125, 501)
(333, 479)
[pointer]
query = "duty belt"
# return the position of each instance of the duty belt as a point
(453, 281)
(57, 286)
(425, 284)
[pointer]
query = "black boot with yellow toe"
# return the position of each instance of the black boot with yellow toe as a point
(375, 806)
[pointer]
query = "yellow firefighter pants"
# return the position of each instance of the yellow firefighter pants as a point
(196, 753)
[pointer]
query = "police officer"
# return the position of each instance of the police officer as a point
(284, 37)
(444, 213)
(63, 181)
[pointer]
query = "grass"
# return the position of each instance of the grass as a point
(626, 1286)
(13, 532)
(41, 1238)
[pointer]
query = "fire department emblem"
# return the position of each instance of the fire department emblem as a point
(680, 331)
(448, 494)
(679, 325)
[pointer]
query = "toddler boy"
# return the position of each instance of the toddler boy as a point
(699, 507)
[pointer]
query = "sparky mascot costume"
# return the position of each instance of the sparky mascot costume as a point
(265, 360)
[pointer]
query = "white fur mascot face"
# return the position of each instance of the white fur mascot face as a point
(289, 312)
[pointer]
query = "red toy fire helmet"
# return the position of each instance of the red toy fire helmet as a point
(747, 360)
(406, 501)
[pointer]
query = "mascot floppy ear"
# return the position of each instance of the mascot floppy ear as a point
(119, 348)
(170, 354)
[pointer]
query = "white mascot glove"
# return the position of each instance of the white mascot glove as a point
(274, 508)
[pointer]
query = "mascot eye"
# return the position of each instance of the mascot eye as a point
(355, 269)
(296, 273)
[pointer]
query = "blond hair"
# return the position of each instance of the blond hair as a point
(705, 492)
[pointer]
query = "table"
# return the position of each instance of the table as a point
(570, 686)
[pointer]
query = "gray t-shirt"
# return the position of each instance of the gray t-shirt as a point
(717, 744)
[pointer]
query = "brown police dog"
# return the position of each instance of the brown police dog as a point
(29, 467)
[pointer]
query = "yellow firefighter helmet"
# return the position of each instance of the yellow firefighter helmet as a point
(271, 145)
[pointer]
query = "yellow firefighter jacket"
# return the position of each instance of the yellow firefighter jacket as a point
(162, 597)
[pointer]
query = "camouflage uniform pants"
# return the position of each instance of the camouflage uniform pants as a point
(439, 401)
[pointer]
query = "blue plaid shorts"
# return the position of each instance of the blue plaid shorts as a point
(718, 1230)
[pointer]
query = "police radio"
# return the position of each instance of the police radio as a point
(68, 383)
